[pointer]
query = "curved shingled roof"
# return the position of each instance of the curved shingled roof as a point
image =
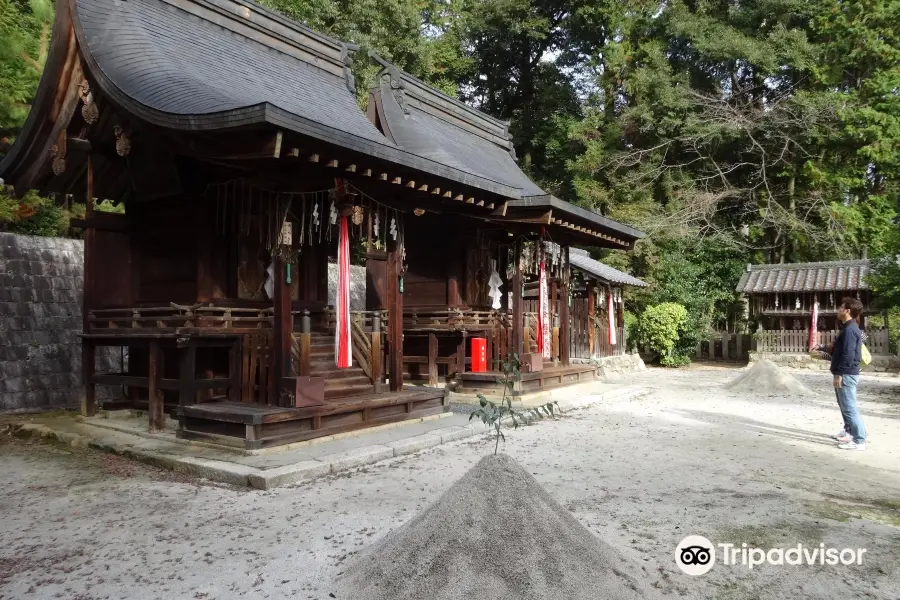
(224, 64)
(805, 277)
(580, 259)
(198, 64)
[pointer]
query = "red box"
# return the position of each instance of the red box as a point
(479, 355)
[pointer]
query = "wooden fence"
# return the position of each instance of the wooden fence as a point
(786, 342)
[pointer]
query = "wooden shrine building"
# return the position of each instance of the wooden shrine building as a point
(779, 298)
(597, 304)
(234, 140)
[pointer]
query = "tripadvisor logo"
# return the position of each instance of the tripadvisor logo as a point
(696, 555)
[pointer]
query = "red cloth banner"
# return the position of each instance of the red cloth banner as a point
(342, 351)
(814, 325)
(612, 319)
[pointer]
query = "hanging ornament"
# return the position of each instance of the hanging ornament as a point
(495, 282)
(269, 285)
(797, 303)
(315, 214)
(358, 215)
(123, 142)
(776, 300)
(377, 225)
(394, 228)
(332, 213)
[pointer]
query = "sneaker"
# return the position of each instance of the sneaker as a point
(843, 437)
(851, 445)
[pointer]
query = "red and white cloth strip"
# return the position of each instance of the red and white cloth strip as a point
(342, 350)
(813, 327)
(612, 319)
(543, 332)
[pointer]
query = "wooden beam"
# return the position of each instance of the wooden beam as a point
(234, 146)
(490, 206)
(460, 198)
(77, 145)
(313, 158)
(423, 188)
(332, 163)
(480, 203)
(89, 402)
(283, 325)
(564, 333)
(448, 194)
(500, 211)
(383, 177)
(411, 184)
(436, 190)
(518, 325)
(294, 153)
(278, 138)
(351, 169)
(367, 172)
(396, 181)
(395, 320)
(156, 412)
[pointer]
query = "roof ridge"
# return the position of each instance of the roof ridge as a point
(436, 92)
(796, 266)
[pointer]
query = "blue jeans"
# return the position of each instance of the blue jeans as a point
(846, 398)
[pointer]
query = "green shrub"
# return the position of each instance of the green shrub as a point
(632, 331)
(661, 327)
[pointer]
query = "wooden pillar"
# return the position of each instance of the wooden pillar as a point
(592, 311)
(156, 410)
(283, 329)
(304, 343)
(395, 320)
(89, 402)
(518, 325)
(555, 354)
(432, 359)
(377, 353)
(564, 311)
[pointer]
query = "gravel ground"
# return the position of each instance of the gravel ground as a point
(688, 458)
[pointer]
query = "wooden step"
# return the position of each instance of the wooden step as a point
(359, 379)
(333, 373)
(349, 390)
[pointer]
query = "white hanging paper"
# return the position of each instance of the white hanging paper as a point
(269, 286)
(495, 282)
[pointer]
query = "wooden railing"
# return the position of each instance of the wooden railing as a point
(787, 342)
(453, 320)
(177, 316)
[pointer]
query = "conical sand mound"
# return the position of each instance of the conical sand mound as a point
(496, 534)
(764, 377)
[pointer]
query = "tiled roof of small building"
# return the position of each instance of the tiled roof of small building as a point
(805, 277)
(580, 259)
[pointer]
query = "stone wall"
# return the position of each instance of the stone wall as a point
(41, 283)
(881, 363)
(614, 368)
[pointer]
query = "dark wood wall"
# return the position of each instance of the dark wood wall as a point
(430, 252)
(164, 244)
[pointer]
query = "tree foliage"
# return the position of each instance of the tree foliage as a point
(24, 39)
